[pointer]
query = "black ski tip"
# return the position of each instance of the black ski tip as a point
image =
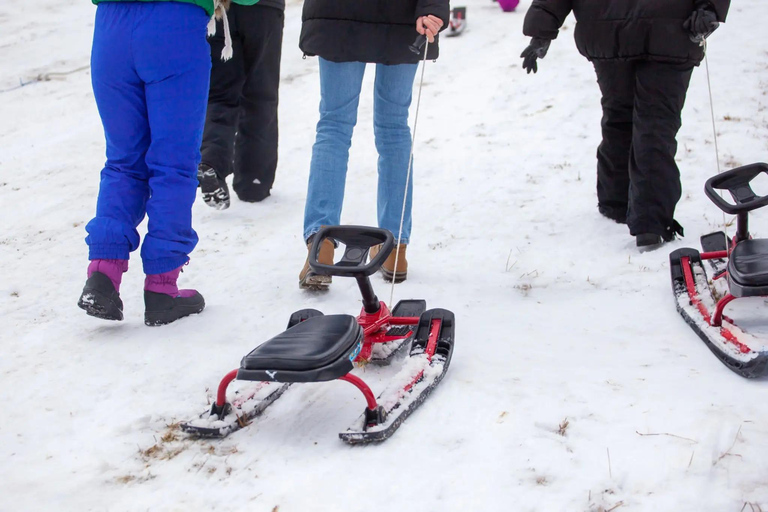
(303, 314)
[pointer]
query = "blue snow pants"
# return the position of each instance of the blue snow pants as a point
(150, 69)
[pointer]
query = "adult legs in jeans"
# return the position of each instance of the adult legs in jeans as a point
(392, 100)
(340, 84)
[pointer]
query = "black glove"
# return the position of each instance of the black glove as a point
(701, 23)
(536, 50)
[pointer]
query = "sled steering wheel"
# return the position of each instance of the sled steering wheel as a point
(736, 181)
(358, 241)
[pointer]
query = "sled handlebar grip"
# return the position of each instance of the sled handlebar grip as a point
(737, 182)
(418, 44)
(358, 241)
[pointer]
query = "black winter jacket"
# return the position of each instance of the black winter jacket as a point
(377, 31)
(624, 29)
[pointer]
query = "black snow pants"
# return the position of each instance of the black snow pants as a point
(636, 170)
(240, 133)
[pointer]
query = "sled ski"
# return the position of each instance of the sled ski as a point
(426, 365)
(739, 269)
(318, 348)
(248, 403)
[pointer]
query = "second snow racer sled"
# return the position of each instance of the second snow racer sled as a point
(318, 347)
(741, 262)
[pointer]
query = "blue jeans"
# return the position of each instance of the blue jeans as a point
(150, 67)
(340, 84)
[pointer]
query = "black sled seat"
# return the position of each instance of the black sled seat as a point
(748, 268)
(318, 349)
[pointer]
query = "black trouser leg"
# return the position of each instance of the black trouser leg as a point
(256, 141)
(617, 84)
(655, 179)
(227, 80)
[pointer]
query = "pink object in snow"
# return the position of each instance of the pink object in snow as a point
(508, 5)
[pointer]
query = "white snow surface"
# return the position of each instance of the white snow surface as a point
(574, 386)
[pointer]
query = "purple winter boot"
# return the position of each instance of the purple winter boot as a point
(165, 303)
(101, 294)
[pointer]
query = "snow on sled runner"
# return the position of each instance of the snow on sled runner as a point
(318, 348)
(743, 262)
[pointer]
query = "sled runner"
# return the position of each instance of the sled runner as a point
(318, 348)
(741, 263)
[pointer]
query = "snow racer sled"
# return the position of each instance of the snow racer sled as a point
(317, 348)
(742, 263)
(458, 21)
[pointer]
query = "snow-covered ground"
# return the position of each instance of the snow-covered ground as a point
(575, 385)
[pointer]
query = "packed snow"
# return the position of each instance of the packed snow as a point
(574, 386)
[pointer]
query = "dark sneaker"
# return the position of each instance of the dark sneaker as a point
(253, 196)
(100, 299)
(215, 190)
(162, 309)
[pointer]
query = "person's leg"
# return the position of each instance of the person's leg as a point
(392, 98)
(655, 179)
(123, 191)
(340, 84)
(256, 142)
(119, 95)
(617, 85)
(177, 81)
(227, 79)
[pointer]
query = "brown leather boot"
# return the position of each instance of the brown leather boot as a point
(308, 280)
(388, 267)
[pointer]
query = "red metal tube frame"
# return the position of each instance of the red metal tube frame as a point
(715, 255)
(717, 318)
(221, 396)
(362, 386)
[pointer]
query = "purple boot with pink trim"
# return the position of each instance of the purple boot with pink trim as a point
(165, 303)
(101, 294)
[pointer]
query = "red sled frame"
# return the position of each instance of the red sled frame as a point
(375, 327)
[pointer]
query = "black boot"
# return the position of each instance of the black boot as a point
(100, 299)
(650, 241)
(162, 309)
(165, 303)
(215, 189)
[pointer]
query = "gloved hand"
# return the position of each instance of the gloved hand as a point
(536, 50)
(701, 23)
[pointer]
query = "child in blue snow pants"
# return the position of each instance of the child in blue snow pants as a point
(150, 68)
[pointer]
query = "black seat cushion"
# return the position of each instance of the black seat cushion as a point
(312, 344)
(748, 263)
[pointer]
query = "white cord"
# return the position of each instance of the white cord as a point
(714, 134)
(408, 176)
